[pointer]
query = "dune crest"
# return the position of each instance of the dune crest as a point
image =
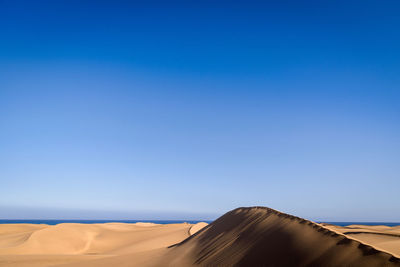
(260, 236)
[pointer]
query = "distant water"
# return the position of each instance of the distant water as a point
(54, 222)
(363, 223)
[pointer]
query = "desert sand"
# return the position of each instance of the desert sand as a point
(382, 237)
(54, 245)
(256, 236)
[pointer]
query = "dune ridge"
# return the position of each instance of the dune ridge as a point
(260, 236)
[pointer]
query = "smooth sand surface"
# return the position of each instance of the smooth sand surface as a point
(256, 236)
(382, 237)
(78, 244)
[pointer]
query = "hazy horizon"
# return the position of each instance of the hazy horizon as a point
(194, 109)
(57, 214)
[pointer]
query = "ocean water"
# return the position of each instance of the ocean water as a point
(54, 222)
(363, 223)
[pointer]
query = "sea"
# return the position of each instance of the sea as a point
(54, 222)
(364, 223)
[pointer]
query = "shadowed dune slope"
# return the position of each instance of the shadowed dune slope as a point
(261, 236)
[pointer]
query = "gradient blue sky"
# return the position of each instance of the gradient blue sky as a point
(185, 110)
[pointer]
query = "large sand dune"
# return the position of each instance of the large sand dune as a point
(264, 237)
(255, 236)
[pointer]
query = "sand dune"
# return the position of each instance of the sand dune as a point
(255, 236)
(382, 237)
(44, 245)
(264, 237)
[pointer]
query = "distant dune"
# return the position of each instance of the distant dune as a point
(52, 245)
(382, 237)
(254, 236)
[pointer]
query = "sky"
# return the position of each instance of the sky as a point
(188, 109)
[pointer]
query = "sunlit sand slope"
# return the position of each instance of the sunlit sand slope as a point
(46, 245)
(382, 237)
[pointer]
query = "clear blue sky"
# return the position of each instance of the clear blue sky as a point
(186, 110)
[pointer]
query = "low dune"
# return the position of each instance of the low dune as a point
(382, 237)
(256, 236)
(53, 245)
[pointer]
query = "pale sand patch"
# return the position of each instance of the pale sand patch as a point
(197, 227)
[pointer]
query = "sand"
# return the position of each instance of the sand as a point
(261, 236)
(256, 236)
(382, 237)
(55, 245)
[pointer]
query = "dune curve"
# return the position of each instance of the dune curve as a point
(260, 236)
